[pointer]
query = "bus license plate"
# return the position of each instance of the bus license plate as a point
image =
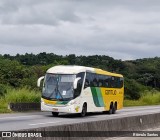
(54, 109)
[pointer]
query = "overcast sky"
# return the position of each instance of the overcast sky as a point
(122, 29)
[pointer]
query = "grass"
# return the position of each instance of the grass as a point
(4, 106)
(23, 95)
(148, 98)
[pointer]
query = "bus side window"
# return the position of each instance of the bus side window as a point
(107, 81)
(100, 83)
(89, 80)
(117, 81)
(79, 84)
(112, 82)
(91, 77)
(95, 81)
(86, 84)
(100, 80)
(121, 82)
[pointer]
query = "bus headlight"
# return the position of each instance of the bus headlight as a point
(42, 100)
(71, 102)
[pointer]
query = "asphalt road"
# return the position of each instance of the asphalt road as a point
(20, 121)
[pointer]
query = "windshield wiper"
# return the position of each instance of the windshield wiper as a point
(52, 99)
(52, 94)
(57, 91)
(48, 98)
(60, 93)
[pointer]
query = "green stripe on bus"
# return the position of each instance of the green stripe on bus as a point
(95, 97)
(100, 98)
(62, 102)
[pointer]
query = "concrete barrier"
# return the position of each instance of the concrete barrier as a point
(20, 107)
(132, 123)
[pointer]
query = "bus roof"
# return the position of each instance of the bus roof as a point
(73, 69)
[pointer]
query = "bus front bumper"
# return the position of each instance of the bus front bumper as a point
(64, 109)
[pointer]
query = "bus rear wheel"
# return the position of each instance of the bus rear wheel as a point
(84, 110)
(114, 108)
(110, 111)
(55, 114)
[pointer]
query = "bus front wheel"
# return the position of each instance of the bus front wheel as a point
(55, 114)
(84, 110)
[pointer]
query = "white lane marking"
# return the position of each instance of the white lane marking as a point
(44, 123)
(17, 117)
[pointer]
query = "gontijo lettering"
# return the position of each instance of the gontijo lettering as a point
(111, 92)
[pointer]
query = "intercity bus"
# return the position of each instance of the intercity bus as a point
(79, 89)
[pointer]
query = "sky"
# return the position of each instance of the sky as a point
(122, 29)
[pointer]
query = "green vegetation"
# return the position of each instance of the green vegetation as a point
(16, 72)
(23, 95)
(148, 98)
(3, 106)
(3, 89)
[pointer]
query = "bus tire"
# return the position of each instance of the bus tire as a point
(114, 109)
(105, 112)
(110, 111)
(55, 114)
(84, 110)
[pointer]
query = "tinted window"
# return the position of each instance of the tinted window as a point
(95, 81)
(98, 80)
(107, 81)
(121, 82)
(79, 84)
(89, 80)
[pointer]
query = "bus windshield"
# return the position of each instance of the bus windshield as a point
(58, 86)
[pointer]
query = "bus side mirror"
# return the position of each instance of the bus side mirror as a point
(39, 81)
(75, 82)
